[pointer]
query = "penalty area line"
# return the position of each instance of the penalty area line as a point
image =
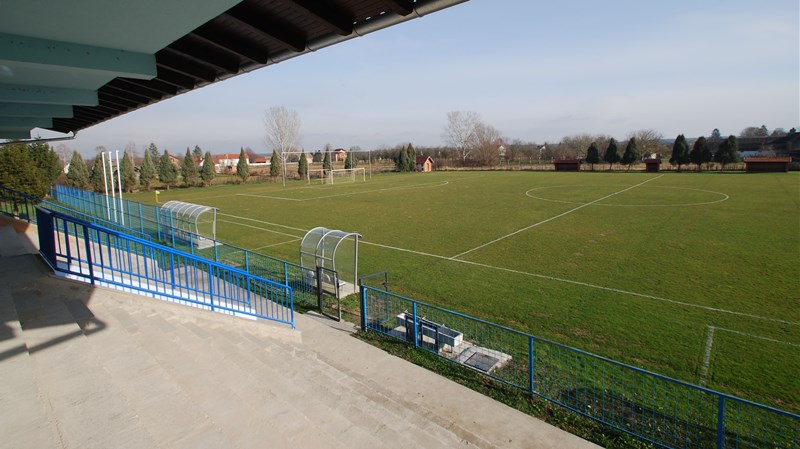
(457, 256)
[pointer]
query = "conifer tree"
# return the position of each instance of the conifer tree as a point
(402, 160)
(274, 165)
(197, 152)
(147, 172)
(611, 155)
(411, 158)
(631, 154)
(189, 169)
(326, 162)
(153, 150)
(78, 175)
(96, 180)
(699, 152)
(127, 173)
(351, 161)
(242, 171)
(207, 173)
(167, 172)
(728, 152)
(302, 165)
(593, 155)
(680, 152)
(19, 171)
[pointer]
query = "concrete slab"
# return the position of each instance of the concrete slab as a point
(92, 367)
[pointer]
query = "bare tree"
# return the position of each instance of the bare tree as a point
(575, 146)
(283, 132)
(460, 131)
(64, 154)
(648, 142)
(487, 144)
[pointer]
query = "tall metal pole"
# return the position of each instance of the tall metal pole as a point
(119, 178)
(113, 193)
(105, 184)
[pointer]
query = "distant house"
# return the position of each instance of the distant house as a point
(260, 160)
(339, 155)
(652, 165)
(424, 163)
(224, 163)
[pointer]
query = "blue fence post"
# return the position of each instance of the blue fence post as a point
(721, 422)
(286, 273)
(158, 224)
(414, 316)
(87, 243)
(211, 286)
(247, 261)
(141, 222)
(172, 229)
(363, 307)
(531, 364)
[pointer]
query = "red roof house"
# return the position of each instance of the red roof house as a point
(424, 163)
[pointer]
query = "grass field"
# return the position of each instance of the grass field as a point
(694, 276)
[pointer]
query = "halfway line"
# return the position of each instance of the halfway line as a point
(552, 218)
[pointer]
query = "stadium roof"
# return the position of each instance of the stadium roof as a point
(68, 65)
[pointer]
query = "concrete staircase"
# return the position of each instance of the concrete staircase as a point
(97, 368)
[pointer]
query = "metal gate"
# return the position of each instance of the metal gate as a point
(327, 287)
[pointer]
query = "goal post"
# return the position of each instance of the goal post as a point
(337, 176)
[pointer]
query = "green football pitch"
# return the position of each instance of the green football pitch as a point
(691, 275)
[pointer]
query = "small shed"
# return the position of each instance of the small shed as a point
(567, 164)
(424, 163)
(767, 164)
(652, 165)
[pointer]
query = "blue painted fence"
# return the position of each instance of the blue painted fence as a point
(655, 408)
(103, 256)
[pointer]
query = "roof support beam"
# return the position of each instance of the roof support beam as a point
(210, 56)
(171, 60)
(34, 110)
(402, 7)
(267, 26)
(44, 53)
(13, 93)
(333, 18)
(226, 40)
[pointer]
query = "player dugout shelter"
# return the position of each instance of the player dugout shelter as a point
(69, 65)
(190, 219)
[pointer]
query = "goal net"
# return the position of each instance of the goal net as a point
(338, 176)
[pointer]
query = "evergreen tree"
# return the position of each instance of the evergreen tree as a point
(699, 152)
(167, 172)
(197, 153)
(728, 152)
(18, 171)
(147, 172)
(96, 180)
(351, 161)
(631, 154)
(127, 173)
(302, 165)
(680, 152)
(78, 175)
(274, 165)
(326, 162)
(716, 135)
(611, 155)
(402, 160)
(207, 173)
(242, 171)
(189, 169)
(593, 155)
(153, 150)
(411, 158)
(47, 162)
(317, 157)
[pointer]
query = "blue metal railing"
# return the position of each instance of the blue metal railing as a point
(655, 408)
(148, 220)
(104, 256)
(652, 407)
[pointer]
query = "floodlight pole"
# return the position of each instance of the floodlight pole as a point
(113, 193)
(105, 186)
(119, 178)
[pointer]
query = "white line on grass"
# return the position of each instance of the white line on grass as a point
(263, 222)
(707, 356)
(276, 244)
(261, 229)
(586, 284)
(362, 192)
(758, 337)
(553, 218)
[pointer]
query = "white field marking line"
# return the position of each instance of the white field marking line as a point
(554, 218)
(724, 196)
(585, 284)
(417, 186)
(276, 244)
(758, 337)
(707, 356)
(261, 229)
(263, 222)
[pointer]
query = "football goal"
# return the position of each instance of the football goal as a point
(338, 176)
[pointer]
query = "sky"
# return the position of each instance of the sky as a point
(535, 70)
